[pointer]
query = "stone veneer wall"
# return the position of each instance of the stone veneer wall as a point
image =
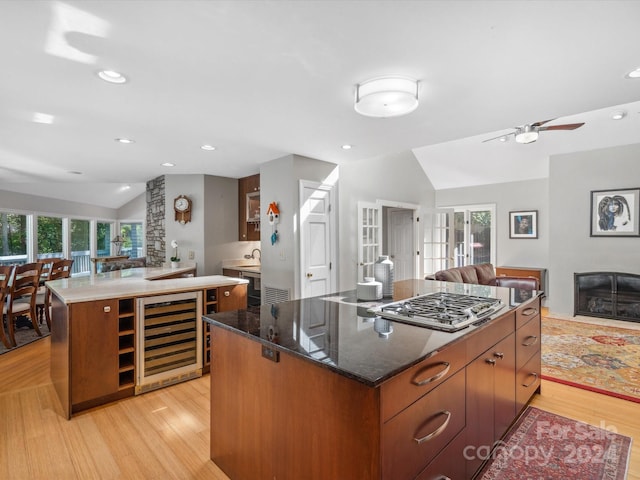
(156, 233)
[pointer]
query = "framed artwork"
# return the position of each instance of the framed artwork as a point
(523, 224)
(615, 213)
(519, 295)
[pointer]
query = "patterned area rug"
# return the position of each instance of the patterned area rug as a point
(599, 358)
(542, 445)
(24, 336)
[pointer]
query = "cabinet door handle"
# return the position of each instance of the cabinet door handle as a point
(499, 355)
(530, 340)
(227, 293)
(436, 377)
(437, 431)
(527, 312)
(535, 378)
(443, 477)
(491, 361)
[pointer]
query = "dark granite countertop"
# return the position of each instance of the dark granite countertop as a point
(339, 332)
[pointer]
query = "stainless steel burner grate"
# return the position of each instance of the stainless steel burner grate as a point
(442, 310)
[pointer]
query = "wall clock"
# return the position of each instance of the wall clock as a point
(182, 208)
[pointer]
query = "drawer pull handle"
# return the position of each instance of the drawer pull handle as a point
(490, 361)
(436, 377)
(499, 355)
(527, 312)
(437, 431)
(443, 477)
(530, 340)
(535, 378)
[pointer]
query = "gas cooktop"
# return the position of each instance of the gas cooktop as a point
(441, 311)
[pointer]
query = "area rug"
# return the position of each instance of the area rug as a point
(24, 336)
(598, 358)
(542, 446)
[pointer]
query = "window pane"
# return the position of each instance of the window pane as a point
(49, 237)
(13, 238)
(80, 246)
(480, 237)
(104, 237)
(133, 238)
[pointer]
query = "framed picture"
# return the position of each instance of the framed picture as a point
(523, 224)
(519, 295)
(615, 213)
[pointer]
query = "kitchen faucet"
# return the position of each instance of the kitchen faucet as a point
(251, 255)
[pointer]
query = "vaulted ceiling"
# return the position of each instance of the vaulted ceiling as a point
(263, 79)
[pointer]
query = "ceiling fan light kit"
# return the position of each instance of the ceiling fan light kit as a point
(527, 134)
(385, 97)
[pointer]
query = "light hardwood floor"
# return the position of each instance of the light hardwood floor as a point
(165, 434)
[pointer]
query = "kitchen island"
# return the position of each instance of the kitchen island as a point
(125, 332)
(325, 388)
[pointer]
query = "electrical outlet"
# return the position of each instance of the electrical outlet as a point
(192, 254)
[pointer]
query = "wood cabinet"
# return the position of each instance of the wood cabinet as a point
(528, 354)
(248, 204)
(219, 299)
(94, 358)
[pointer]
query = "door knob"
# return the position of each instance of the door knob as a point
(309, 275)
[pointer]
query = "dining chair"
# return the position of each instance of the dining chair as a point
(6, 272)
(22, 297)
(59, 269)
(47, 264)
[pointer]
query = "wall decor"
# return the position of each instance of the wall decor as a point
(523, 224)
(615, 213)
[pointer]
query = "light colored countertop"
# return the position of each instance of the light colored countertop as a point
(133, 282)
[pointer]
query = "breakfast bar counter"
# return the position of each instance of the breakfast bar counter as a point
(125, 332)
(325, 387)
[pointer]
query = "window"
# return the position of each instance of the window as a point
(474, 235)
(103, 239)
(133, 236)
(49, 238)
(81, 245)
(13, 238)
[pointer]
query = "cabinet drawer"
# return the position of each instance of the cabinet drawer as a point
(489, 335)
(404, 389)
(527, 381)
(413, 438)
(527, 341)
(525, 312)
(448, 464)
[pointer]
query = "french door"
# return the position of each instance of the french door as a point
(474, 235)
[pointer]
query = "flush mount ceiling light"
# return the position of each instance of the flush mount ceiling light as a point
(634, 73)
(527, 134)
(112, 76)
(386, 97)
(618, 115)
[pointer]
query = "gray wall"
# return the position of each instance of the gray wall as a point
(572, 177)
(397, 178)
(508, 197)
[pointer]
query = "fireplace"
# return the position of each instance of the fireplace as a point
(607, 295)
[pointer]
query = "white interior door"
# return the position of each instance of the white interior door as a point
(401, 242)
(317, 249)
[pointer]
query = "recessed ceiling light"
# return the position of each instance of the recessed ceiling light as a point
(207, 147)
(124, 188)
(346, 146)
(168, 164)
(125, 140)
(618, 115)
(39, 117)
(112, 76)
(634, 73)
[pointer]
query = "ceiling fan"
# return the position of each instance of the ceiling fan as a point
(529, 133)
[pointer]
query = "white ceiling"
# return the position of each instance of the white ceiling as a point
(263, 79)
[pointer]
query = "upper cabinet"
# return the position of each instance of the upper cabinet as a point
(249, 208)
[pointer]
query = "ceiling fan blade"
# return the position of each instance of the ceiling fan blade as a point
(567, 126)
(537, 124)
(496, 138)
